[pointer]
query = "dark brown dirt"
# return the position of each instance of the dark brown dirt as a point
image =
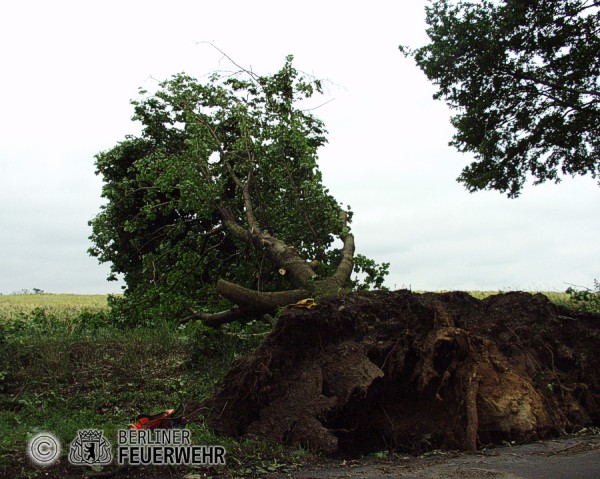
(415, 372)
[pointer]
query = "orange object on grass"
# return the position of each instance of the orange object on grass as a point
(163, 420)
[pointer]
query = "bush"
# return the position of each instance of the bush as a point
(224, 344)
(586, 299)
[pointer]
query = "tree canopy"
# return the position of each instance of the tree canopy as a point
(220, 200)
(524, 78)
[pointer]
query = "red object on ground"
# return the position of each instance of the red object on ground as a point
(163, 420)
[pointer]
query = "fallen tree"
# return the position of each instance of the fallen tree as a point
(412, 372)
(219, 203)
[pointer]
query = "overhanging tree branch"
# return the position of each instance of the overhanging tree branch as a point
(517, 64)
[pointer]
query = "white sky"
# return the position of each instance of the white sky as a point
(69, 69)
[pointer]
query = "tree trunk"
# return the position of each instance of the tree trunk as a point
(250, 302)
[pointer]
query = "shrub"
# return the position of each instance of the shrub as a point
(586, 299)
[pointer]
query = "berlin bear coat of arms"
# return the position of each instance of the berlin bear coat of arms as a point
(90, 448)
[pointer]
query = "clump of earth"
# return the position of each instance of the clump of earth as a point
(413, 372)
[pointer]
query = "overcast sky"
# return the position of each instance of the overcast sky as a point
(69, 69)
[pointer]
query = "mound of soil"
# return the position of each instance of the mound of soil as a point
(412, 372)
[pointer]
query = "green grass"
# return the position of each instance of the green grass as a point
(64, 367)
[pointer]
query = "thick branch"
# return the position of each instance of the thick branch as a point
(256, 301)
(249, 209)
(251, 302)
(217, 319)
(344, 269)
(301, 275)
(284, 256)
(232, 226)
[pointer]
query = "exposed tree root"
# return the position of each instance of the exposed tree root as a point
(472, 418)
(411, 372)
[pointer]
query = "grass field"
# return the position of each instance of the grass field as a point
(64, 367)
(62, 307)
(30, 301)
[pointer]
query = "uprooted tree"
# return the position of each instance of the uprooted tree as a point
(220, 202)
(220, 198)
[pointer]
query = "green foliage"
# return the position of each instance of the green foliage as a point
(161, 226)
(373, 274)
(524, 77)
(20, 319)
(587, 299)
(227, 343)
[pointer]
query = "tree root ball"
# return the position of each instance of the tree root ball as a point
(413, 372)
